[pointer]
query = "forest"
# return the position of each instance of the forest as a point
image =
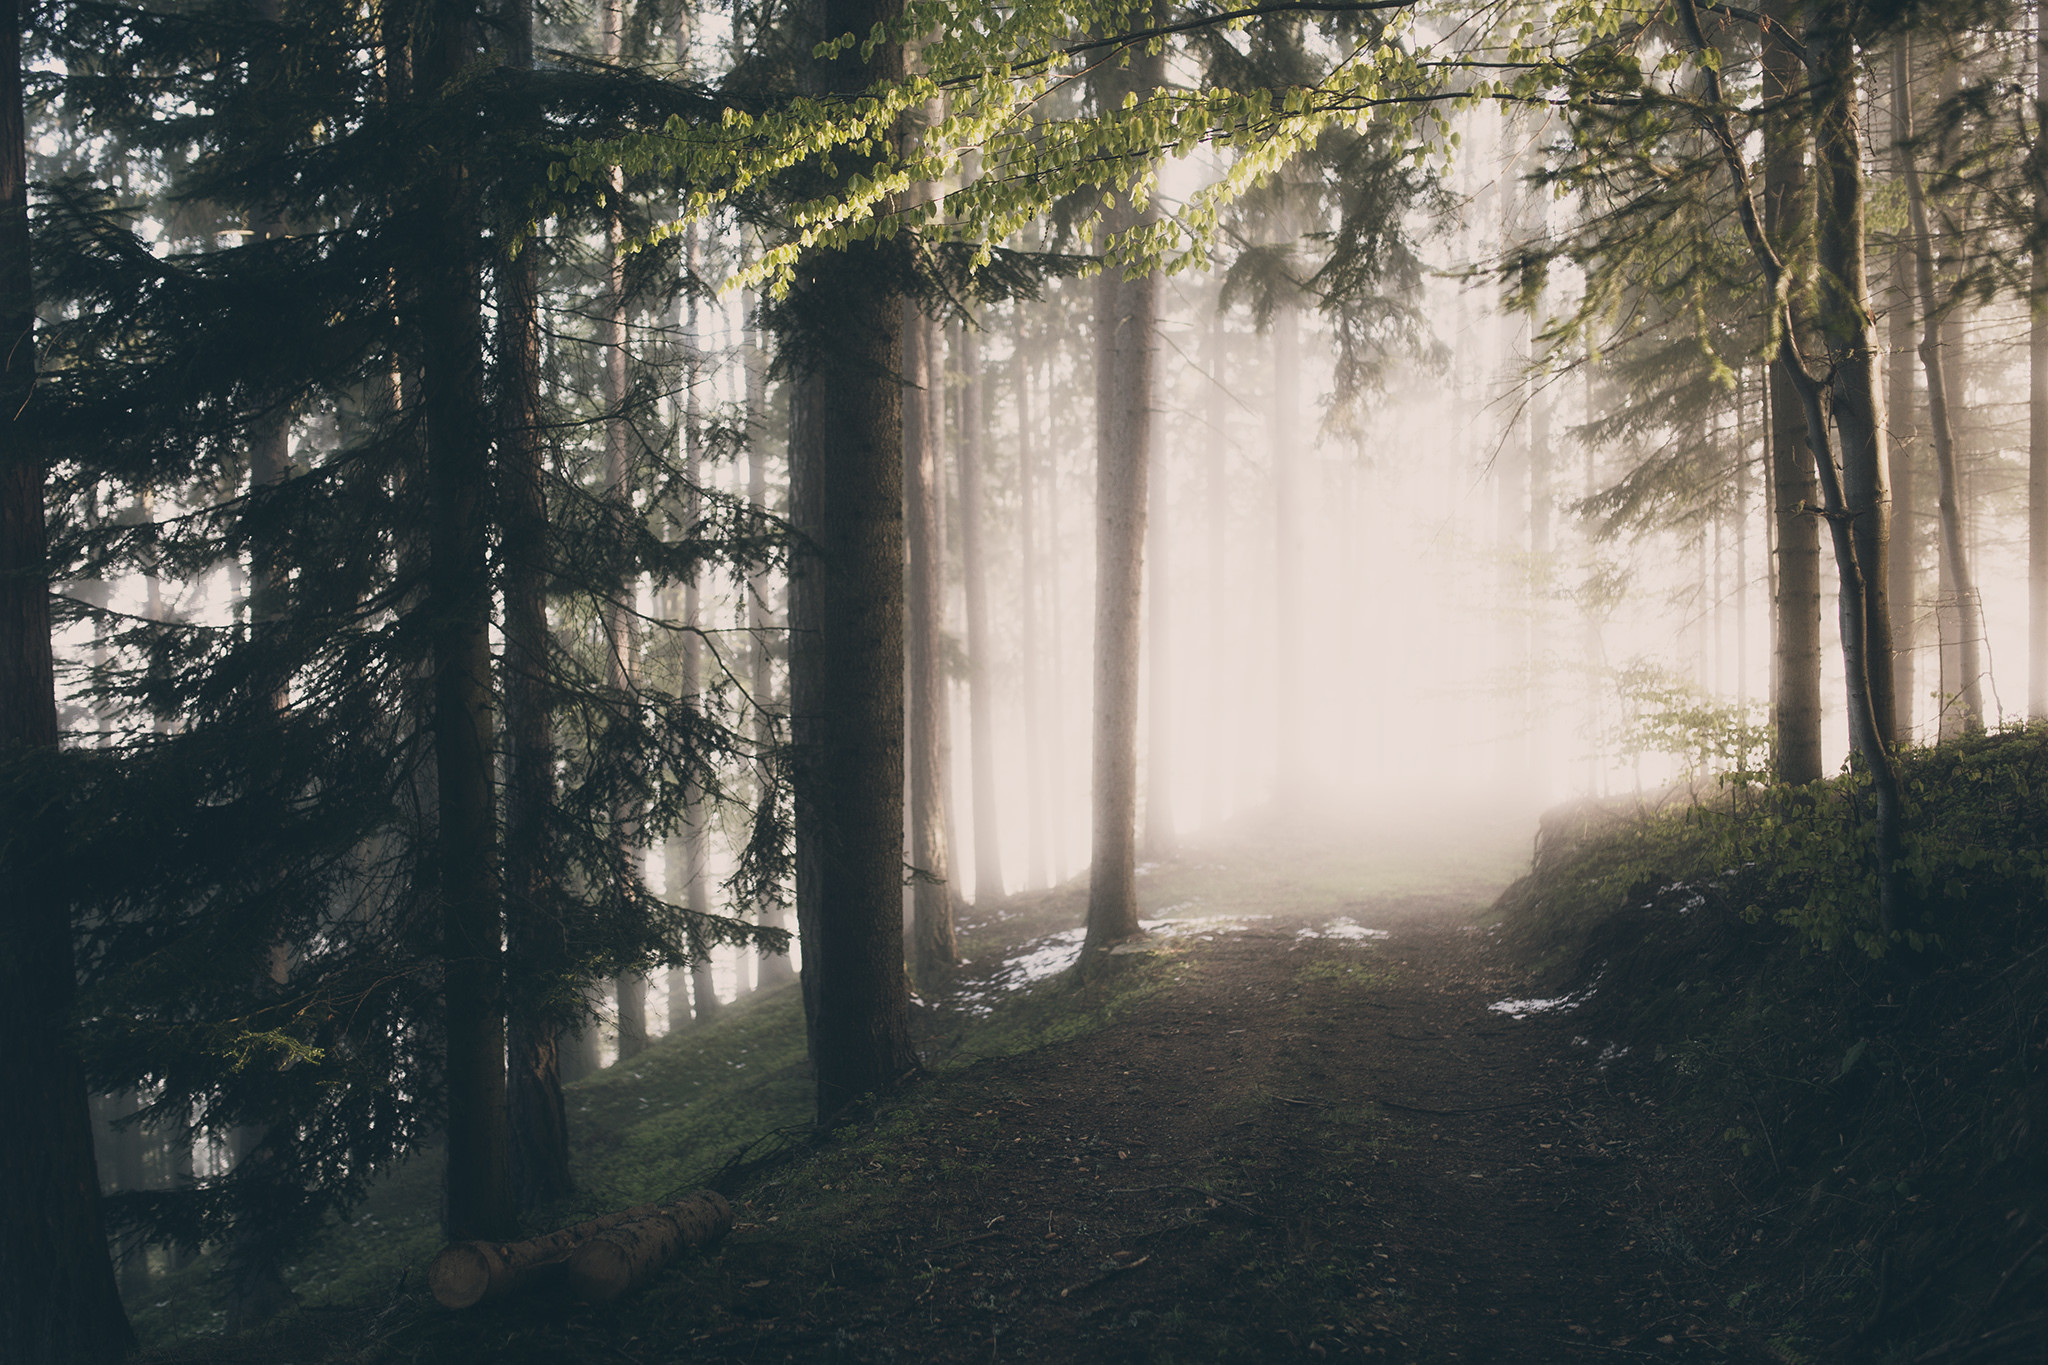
(886, 681)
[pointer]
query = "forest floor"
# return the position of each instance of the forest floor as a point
(1298, 1123)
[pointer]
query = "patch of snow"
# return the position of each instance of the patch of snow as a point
(1522, 1009)
(1342, 927)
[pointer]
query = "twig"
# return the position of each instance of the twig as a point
(1110, 1273)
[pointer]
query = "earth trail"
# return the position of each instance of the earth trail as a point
(1302, 1146)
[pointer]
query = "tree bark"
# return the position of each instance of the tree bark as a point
(1159, 833)
(2037, 402)
(469, 1273)
(1290, 739)
(1795, 701)
(1855, 398)
(538, 1123)
(1940, 419)
(448, 318)
(1035, 756)
(981, 724)
(846, 637)
(778, 968)
(1126, 359)
(931, 895)
(1903, 589)
(1217, 807)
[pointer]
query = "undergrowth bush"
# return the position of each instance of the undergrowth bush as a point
(1878, 1106)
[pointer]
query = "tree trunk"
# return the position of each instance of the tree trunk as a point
(924, 635)
(1903, 590)
(1035, 756)
(778, 968)
(1795, 702)
(1126, 360)
(846, 637)
(1159, 834)
(1290, 739)
(1217, 807)
(534, 939)
(1856, 400)
(1962, 605)
(448, 319)
(981, 725)
(470, 1273)
(2037, 403)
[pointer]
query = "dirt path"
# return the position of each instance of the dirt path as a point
(1303, 1145)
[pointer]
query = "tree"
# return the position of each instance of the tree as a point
(933, 950)
(58, 1299)
(1940, 422)
(1126, 367)
(843, 347)
(981, 724)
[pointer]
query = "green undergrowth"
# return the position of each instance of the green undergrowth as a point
(726, 1105)
(1877, 1105)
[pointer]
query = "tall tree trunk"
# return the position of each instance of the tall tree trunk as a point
(695, 836)
(846, 637)
(1940, 419)
(1856, 399)
(2037, 401)
(1035, 756)
(1795, 701)
(934, 950)
(1741, 482)
(981, 724)
(1903, 589)
(534, 939)
(1217, 450)
(449, 322)
(1126, 362)
(778, 968)
(629, 988)
(1290, 739)
(1159, 835)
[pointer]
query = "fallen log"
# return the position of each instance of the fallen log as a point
(619, 1259)
(469, 1273)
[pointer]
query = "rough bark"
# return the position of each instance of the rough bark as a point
(538, 1125)
(1904, 443)
(469, 1273)
(1940, 416)
(1855, 399)
(1126, 361)
(846, 637)
(2037, 404)
(618, 1259)
(777, 968)
(931, 895)
(1795, 700)
(981, 722)
(447, 316)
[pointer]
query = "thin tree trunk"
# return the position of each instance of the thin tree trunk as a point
(1795, 701)
(1035, 757)
(1902, 589)
(448, 318)
(1159, 835)
(778, 968)
(1218, 806)
(1940, 421)
(988, 857)
(696, 846)
(1290, 740)
(1741, 481)
(2037, 401)
(846, 640)
(934, 950)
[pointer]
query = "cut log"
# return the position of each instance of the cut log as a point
(619, 1259)
(469, 1273)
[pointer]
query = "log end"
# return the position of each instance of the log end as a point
(460, 1276)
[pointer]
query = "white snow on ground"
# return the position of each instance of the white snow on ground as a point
(1342, 927)
(1521, 1009)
